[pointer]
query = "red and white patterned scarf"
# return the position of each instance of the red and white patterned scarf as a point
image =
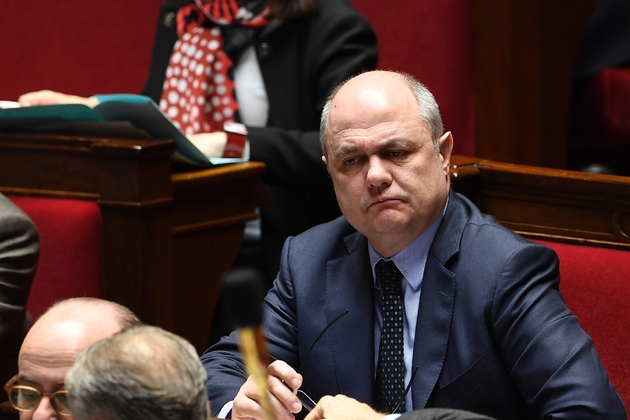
(198, 93)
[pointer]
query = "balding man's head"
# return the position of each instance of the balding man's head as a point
(58, 336)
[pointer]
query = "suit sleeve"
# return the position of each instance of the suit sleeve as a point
(550, 358)
(223, 362)
(19, 253)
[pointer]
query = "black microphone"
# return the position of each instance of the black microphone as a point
(243, 303)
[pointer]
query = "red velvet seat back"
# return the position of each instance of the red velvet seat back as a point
(76, 46)
(595, 283)
(79, 47)
(431, 40)
(602, 115)
(69, 262)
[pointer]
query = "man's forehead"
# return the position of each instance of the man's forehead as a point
(65, 338)
(396, 131)
(45, 364)
(364, 105)
(71, 333)
(49, 365)
(50, 348)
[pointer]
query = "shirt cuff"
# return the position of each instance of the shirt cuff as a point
(226, 411)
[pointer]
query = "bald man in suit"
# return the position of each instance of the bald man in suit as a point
(485, 328)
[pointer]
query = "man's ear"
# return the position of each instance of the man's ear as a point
(446, 148)
(325, 160)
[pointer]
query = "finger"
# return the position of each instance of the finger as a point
(246, 409)
(285, 395)
(41, 97)
(247, 402)
(316, 414)
(280, 409)
(286, 373)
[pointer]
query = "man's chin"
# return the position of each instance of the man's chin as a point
(390, 223)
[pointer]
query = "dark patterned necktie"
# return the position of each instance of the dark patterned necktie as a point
(390, 373)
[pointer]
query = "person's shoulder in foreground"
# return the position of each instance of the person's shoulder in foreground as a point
(142, 372)
(341, 407)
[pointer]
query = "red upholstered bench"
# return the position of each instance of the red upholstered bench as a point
(69, 262)
(595, 283)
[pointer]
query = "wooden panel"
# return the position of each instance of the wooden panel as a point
(167, 238)
(553, 204)
(524, 54)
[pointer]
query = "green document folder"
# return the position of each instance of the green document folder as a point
(118, 115)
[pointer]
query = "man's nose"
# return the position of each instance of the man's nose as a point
(378, 174)
(44, 411)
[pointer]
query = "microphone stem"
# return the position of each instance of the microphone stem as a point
(254, 366)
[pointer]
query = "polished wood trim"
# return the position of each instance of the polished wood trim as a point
(166, 238)
(551, 204)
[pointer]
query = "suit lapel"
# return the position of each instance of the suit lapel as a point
(349, 285)
(437, 303)
(432, 331)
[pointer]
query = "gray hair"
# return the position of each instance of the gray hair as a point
(143, 372)
(429, 110)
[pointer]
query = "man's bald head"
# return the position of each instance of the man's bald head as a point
(58, 336)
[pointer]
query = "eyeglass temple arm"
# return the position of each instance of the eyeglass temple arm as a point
(321, 334)
(404, 395)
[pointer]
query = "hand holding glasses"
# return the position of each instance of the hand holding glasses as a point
(309, 404)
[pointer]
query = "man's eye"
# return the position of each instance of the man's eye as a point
(28, 396)
(350, 161)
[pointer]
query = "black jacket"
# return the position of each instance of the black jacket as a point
(301, 61)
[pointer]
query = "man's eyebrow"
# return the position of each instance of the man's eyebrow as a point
(27, 379)
(30, 380)
(398, 142)
(350, 149)
(344, 150)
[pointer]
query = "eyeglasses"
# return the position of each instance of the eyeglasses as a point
(27, 398)
(309, 404)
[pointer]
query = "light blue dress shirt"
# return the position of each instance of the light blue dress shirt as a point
(410, 261)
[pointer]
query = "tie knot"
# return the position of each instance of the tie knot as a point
(388, 276)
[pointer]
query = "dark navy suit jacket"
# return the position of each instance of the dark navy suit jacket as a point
(494, 335)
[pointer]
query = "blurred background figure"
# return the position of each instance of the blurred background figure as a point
(270, 65)
(19, 253)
